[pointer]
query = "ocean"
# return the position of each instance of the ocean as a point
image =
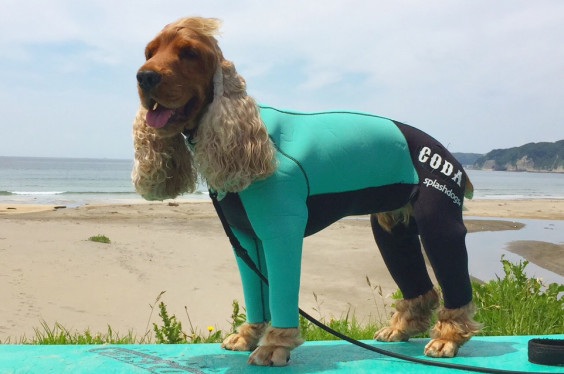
(72, 182)
(516, 185)
(68, 181)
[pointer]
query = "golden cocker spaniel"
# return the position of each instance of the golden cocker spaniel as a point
(196, 120)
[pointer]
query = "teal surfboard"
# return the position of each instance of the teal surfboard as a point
(500, 352)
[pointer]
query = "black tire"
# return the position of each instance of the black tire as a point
(546, 351)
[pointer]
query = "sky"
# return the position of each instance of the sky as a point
(476, 75)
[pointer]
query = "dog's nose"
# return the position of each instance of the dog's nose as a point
(148, 79)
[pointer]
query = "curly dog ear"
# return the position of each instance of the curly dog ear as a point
(232, 145)
(163, 167)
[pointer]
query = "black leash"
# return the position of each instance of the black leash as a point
(244, 255)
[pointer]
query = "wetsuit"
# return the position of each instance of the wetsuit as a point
(337, 164)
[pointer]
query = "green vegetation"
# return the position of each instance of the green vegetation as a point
(512, 305)
(171, 330)
(517, 305)
(347, 325)
(542, 156)
(58, 334)
(99, 239)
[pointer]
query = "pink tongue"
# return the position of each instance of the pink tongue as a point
(159, 117)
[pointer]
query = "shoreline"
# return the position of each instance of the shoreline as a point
(53, 273)
(535, 208)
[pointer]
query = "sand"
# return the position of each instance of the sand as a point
(547, 255)
(51, 272)
(525, 208)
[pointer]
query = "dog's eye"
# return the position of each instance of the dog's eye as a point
(151, 49)
(148, 53)
(187, 52)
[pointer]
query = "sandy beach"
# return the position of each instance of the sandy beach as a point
(51, 272)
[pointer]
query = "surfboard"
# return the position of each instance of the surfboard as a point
(499, 352)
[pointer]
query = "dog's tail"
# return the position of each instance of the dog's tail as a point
(468, 189)
(388, 220)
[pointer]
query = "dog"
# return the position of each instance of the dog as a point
(281, 175)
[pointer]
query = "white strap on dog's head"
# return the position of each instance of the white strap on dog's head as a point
(218, 82)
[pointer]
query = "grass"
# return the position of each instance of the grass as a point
(512, 305)
(347, 325)
(100, 239)
(58, 334)
(518, 305)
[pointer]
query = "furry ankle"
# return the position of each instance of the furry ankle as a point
(456, 325)
(282, 337)
(413, 315)
(252, 331)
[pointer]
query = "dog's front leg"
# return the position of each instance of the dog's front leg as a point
(275, 346)
(283, 260)
(246, 338)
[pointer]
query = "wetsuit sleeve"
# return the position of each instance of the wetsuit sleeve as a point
(276, 208)
(254, 289)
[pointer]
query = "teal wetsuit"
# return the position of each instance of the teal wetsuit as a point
(330, 165)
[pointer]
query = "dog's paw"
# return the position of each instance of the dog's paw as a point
(270, 355)
(389, 334)
(246, 338)
(237, 342)
(275, 346)
(441, 348)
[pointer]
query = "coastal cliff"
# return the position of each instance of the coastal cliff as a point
(539, 157)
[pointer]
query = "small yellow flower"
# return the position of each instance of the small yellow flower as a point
(210, 328)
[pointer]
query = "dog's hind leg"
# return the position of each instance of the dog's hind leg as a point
(453, 328)
(446, 250)
(412, 317)
(401, 251)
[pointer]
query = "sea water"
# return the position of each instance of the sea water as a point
(72, 182)
(486, 248)
(489, 184)
(67, 181)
